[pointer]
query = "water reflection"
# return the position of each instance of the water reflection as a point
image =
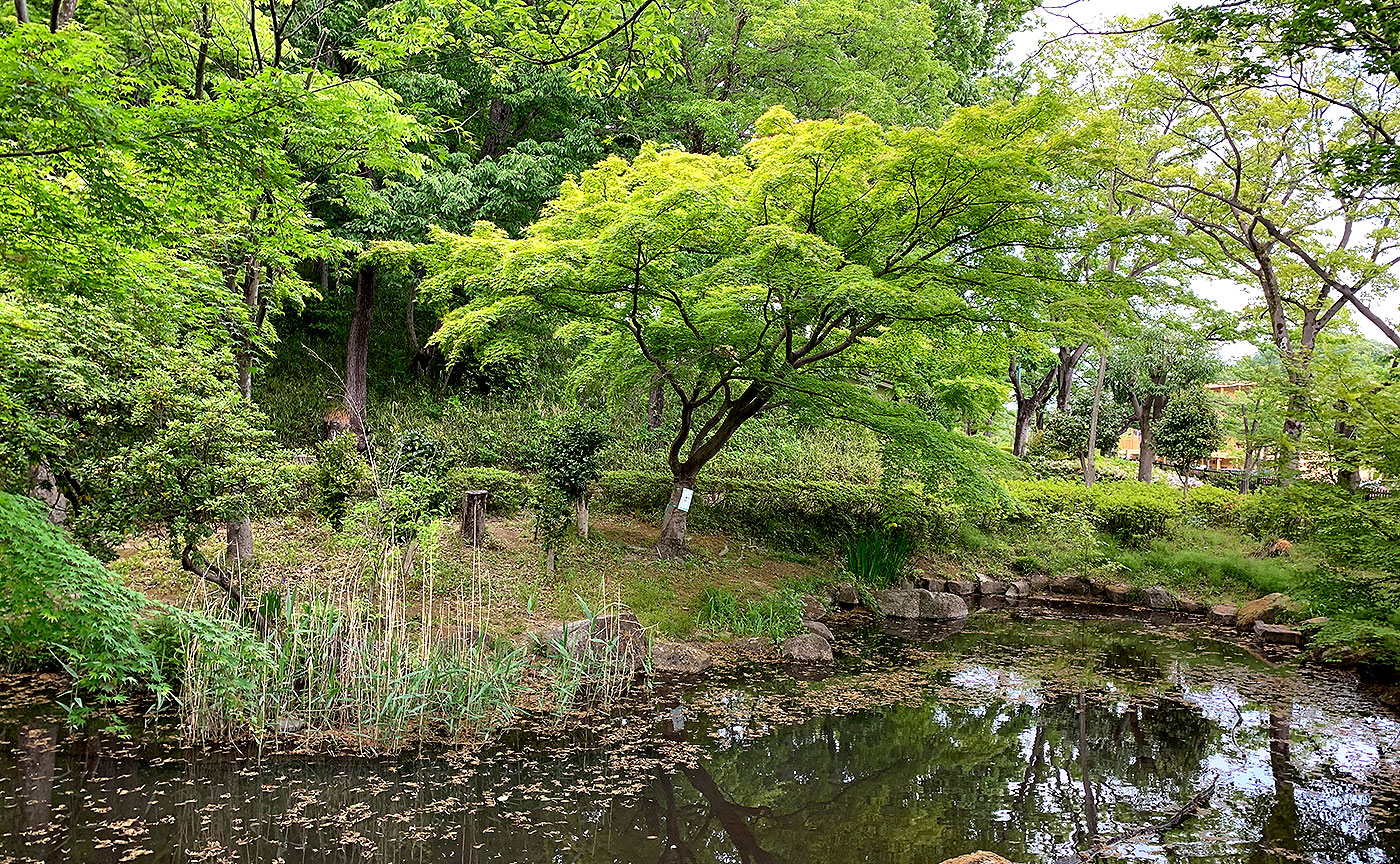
(1028, 740)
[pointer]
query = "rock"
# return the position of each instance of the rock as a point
(821, 630)
(1097, 589)
(1277, 634)
(961, 587)
(1116, 592)
(1159, 598)
(1191, 607)
(1316, 623)
(1018, 589)
(993, 601)
(978, 858)
(806, 648)
(289, 724)
(1040, 583)
(812, 609)
(847, 597)
(990, 587)
(1073, 585)
(617, 639)
(941, 606)
(1338, 655)
(1264, 609)
(1223, 615)
(753, 646)
(930, 583)
(898, 602)
(675, 658)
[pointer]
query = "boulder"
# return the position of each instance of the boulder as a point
(1277, 634)
(1159, 598)
(676, 658)
(978, 858)
(1191, 607)
(1019, 588)
(847, 597)
(1264, 609)
(812, 609)
(990, 587)
(993, 601)
(934, 584)
(1076, 586)
(961, 587)
(806, 648)
(1315, 624)
(290, 724)
(752, 646)
(1223, 615)
(1039, 582)
(898, 602)
(821, 630)
(617, 639)
(942, 606)
(1116, 592)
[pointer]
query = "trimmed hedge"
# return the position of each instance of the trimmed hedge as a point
(509, 491)
(804, 515)
(1132, 511)
(1213, 506)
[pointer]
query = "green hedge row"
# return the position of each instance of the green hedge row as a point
(1132, 511)
(803, 515)
(510, 491)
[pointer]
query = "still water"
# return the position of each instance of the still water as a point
(1026, 737)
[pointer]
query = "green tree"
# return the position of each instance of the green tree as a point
(1068, 430)
(750, 284)
(1189, 431)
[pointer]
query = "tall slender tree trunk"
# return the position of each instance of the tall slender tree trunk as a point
(1247, 470)
(238, 533)
(410, 327)
(656, 412)
(1089, 466)
(61, 14)
(357, 352)
(1020, 439)
(22, 11)
(581, 510)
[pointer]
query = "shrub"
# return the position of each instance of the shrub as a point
(1049, 499)
(337, 475)
(1213, 507)
(877, 559)
(1134, 512)
(800, 515)
(509, 491)
(287, 487)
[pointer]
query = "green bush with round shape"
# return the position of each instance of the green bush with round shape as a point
(509, 492)
(1134, 512)
(1213, 507)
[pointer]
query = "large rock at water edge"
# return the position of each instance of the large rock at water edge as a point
(978, 858)
(1159, 598)
(1277, 634)
(1075, 586)
(617, 640)
(806, 648)
(1018, 589)
(821, 630)
(941, 606)
(1266, 609)
(933, 583)
(961, 587)
(812, 609)
(1223, 615)
(846, 596)
(1116, 592)
(898, 602)
(675, 658)
(989, 587)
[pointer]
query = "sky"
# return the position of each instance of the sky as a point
(1060, 17)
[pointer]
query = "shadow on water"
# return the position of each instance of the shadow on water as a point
(1031, 738)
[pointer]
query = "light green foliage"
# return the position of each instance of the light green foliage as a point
(704, 271)
(571, 465)
(507, 491)
(1068, 431)
(1131, 511)
(60, 606)
(1211, 506)
(776, 615)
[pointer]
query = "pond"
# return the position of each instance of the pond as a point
(1024, 736)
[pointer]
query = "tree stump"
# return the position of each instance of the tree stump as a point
(474, 517)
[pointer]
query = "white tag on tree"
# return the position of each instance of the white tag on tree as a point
(683, 505)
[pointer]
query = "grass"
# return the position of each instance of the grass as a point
(776, 615)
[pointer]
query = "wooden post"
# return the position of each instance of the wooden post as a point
(474, 517)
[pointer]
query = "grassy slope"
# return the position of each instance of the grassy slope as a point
(504, 585)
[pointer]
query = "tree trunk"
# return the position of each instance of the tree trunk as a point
(22, 11)
(1148, 453)
(1089, 467)
(61, 14)
(474, 517)
(549, 560)
(238, 535)
(411, 330)
(357, 352)
(1248, 469)
(499, 116)
(673, 525)
(581, 508)
(656, 411)
(1021, 438)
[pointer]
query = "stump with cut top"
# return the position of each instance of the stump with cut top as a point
(474, 517)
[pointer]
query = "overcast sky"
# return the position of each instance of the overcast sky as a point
(1060, 17)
